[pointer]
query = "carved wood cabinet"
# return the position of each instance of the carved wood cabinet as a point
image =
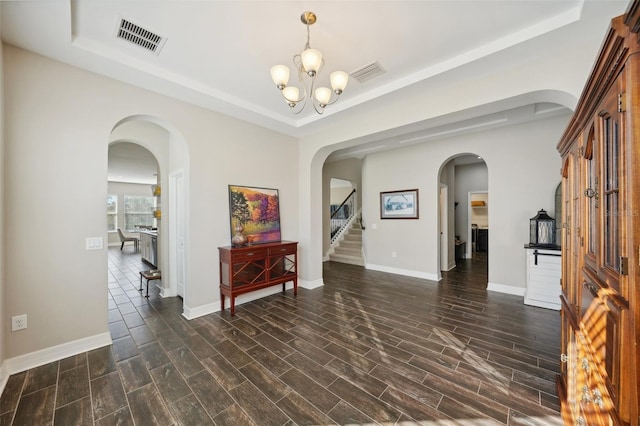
(250, 268)
(600, 319)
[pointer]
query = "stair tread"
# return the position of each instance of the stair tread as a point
(349, 249)
(355, 250)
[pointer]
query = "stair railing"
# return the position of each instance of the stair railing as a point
(342, 216)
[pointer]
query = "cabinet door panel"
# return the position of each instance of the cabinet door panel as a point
(249, 272)
(281, 266)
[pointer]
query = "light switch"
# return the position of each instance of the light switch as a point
(94, 243)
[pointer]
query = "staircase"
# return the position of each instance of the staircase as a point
(349, 248)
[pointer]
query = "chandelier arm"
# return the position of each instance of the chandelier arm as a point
(335, 99)
(319, 111)
(299, 110)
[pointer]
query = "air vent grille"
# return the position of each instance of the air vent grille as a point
(367, 72)
(139, 36)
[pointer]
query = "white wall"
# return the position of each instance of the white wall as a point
(523, 168)
(62, 162)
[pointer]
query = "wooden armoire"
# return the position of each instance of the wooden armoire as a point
(600, 315)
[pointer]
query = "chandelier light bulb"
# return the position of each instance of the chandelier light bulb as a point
(280, 76)
(323, 96)
(291, 94)
(339, 80)
(311, 61)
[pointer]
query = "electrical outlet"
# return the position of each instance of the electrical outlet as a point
(394, 254)
(19, 322)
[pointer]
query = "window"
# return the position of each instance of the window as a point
(138, 211)
(112, 213)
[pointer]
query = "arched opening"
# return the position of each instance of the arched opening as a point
(152, 138)
(464, 213)
(132, 220)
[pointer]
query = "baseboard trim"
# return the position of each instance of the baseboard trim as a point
(405, 272)
(310, 285)
(199, 311)
(55, 353)
(165, 292)
(542, 304)
(507, 289)
(210, 308)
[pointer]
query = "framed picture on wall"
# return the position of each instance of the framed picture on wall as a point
(255, 213)
(399, 204)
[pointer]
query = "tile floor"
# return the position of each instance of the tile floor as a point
(367, 348)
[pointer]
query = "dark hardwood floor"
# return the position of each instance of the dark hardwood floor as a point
(367, 348)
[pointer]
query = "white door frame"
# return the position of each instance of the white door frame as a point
(444, 228)
(176, 202)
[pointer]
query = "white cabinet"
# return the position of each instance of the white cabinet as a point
(149, 247)
(543, 278)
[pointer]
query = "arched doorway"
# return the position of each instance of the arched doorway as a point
(168, 147)
(464, 211)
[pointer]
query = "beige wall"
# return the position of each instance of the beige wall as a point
(339, 194)
(556, 74)
(514, 155)
(62, 162)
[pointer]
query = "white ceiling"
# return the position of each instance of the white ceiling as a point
(218, 54)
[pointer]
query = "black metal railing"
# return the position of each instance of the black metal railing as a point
(341, 215)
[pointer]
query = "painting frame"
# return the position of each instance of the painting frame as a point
(257, 211)
(403, 204)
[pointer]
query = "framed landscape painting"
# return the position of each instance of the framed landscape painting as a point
(256, 211)
(399, 204)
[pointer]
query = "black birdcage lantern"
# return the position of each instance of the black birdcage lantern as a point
(542, 230)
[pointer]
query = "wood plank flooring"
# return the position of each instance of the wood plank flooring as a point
(367, 348)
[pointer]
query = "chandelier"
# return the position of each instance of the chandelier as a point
(308, 63)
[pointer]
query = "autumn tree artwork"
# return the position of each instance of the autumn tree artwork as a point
(257, 210)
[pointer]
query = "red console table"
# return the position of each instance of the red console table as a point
(250, 268)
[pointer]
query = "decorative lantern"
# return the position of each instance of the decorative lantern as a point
(542, 230)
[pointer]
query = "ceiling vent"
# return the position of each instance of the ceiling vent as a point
(139, 36)
(367, 72)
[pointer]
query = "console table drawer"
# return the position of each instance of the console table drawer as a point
(249, 255)
(283, 250)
